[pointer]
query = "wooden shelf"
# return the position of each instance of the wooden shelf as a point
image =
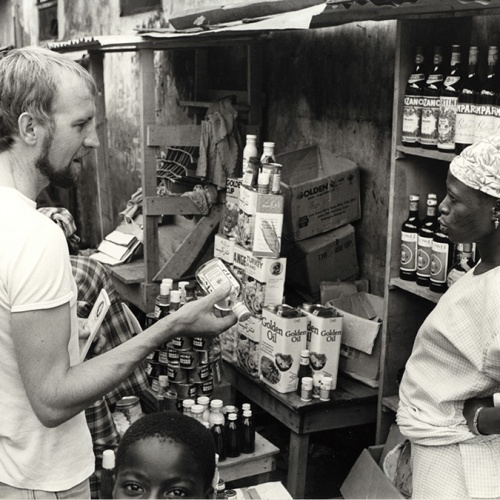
(390, 403)
(426, 153)
(206, 104)
(412, 287)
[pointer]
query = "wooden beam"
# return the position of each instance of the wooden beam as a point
(169, 205)
(173, 135)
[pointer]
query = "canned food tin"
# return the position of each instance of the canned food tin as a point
(182, 343)
(173, 355)
(130, 406)
(184, 390)
(205, 388)
(177, 374)
(201, 343)
(163, 356)
(203, 357)
(200, 373)
(188, 359)
(150, 320)
(154, 356)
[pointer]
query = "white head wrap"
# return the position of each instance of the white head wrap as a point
(478, 166)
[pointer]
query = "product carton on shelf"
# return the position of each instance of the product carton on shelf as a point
(321, 191)
(282, 340)
(229, 222)
(248, 345)
(224, 248)
(260, 222)
(263, 282)
(329, 256)
(361, 342)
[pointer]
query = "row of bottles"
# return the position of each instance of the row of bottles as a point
(450, 109)
(427, 254)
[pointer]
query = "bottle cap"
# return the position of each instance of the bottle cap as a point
(182, 284)
(232, 416)
(188, 403)
(241, 311)
(203, 400)
(326, 383)
(268, 144)
(245, 406)
(304, 353)
(168, 281)
(163, 380)
(216, 403)
(175, 296)
(307, 382)
(108, 459)
(197, 409)
(247, 413)
(251, 136)
(164, 289)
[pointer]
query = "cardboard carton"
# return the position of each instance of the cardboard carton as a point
(361, 343)
(229, 222)
(329, 256)
(321, 191)
(224, 248)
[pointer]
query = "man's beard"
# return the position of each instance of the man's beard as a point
(64, 178)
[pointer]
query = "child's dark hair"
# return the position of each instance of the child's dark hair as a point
(179, 428)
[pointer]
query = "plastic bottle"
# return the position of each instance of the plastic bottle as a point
(162, 304)
(175, 300)
(205, 402)
(186, 406)
(268, 153)
(247, 432)
(197, 412)
(217, 428)
(107, 481)
(249, 150)
(304, 369)
(213, 274)
(232, 436)
(182, 288)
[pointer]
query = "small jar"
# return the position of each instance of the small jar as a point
(187, 404)
(130, 406)
(197, 412)
(205, 402)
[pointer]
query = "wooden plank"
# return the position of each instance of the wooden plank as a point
(297, 465)
(173, 135)
(338, 15)
(148, 160)
(191, 247)
(130, 273)
(391, 403)
(412, 287)
(426, 153)
(169, 205)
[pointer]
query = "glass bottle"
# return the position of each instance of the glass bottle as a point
(304, 369)
(409, 238)
(485, 124)
(213, 274)
(217, 428)
(162, 304)
(465, 263)
(466, 117)
(190, 292)
(268, 153)
(430, 110)
(449, 101)
(441, 259)
(232, 436)
(107, 472)
(412, 108)
(247, 432)
(251, 173)
(424, 241)
(249, 150)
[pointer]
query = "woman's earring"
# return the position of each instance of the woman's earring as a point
(496, 214)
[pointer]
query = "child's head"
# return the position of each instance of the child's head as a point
(165, 455)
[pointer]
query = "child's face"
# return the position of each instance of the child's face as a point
(154, 469)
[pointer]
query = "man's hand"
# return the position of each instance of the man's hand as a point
(197, 318)
(84, 332)
(471, 405)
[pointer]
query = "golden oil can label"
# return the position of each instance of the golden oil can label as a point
(408, 251)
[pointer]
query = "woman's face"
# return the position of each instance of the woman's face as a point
(465, 213)
(156, 469)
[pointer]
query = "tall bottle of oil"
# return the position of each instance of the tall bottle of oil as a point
(486, 99)
(441, 261)
(430, 110)
(412, 108)
(449, 101)
(424, 242)
(466, 110)
(409, 239)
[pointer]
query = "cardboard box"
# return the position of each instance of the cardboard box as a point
(367, 480)
(224, 248)
(263, 282)
(282, 340)
(229, 222)
(329, 256)
(260, 222)
(321, 191)
(361, 343)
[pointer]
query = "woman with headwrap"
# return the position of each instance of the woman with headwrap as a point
(446, 394)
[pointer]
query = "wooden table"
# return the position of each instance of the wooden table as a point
(352, 403)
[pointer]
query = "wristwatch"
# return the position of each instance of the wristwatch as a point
(496, 399)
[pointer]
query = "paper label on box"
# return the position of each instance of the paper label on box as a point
(224, 248)
(282, 340)
(268, 225)
(248, 345)
(246, 217)
(263, 282)
(349, 352)
(240, 256)
(324, 345)
(229, 222)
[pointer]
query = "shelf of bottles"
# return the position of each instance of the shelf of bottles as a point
(426, 153)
